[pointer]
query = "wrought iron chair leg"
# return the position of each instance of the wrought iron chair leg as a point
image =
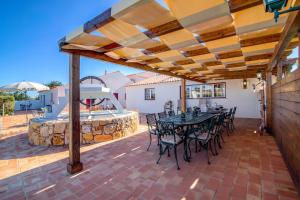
(150, 141)
(200, 147)
(222, 137)
(227, 128)
(168, 151)
(210, 146)
(175, 152)
(189, 147)
(219, 141)
(215, 144)
(207, 153)
(232, 126)
(161, 152)
(196, 149)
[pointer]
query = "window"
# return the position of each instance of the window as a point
(210, 90)
(149, 94)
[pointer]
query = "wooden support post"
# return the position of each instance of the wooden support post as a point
(298, 48)
(269, 101)
(279, 71)
(183, 95)
(74, 165)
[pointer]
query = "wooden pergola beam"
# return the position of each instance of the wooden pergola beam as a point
(103, 57)
(290, 30)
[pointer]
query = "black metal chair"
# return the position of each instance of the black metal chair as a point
(162, 115)
(203, 135)
(171, 113)
(196, 109)
(169, 139)
(218, 133)
(189, 110)
(152, 128)
(227, 119)
(232, 119)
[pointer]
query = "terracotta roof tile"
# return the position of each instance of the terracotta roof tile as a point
(155, 80)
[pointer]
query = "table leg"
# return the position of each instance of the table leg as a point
(186, 156)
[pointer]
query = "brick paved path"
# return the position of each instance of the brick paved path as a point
(248, 167)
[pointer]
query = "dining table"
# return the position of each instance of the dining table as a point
(185, 122)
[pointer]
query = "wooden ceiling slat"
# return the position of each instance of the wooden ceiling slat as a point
(285, 54)
(238, 5)
(163, 29)
(196, 52)
(229, 54)
(225, 32)
(240, 64)
(212, 63)
(259, 57)
(220, 71)
(152, 61)
(157, 49)
(110, 47)
(260, 40)
(264, 66)
(184, 62)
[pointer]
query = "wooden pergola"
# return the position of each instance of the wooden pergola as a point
(196, 40)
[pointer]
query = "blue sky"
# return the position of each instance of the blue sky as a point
(30, 30)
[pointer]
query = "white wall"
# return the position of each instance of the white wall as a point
(245, 99)
(121, 96)
(163, 93)
(35, 104)
(55, 93)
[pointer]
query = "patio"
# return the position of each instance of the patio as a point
(249, 166)
(201, 42)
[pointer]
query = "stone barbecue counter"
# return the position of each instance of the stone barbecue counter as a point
(55, 132)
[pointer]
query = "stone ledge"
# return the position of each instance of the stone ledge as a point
(56, 133)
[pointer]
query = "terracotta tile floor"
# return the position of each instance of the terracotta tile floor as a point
(248, 167)
(14, 124)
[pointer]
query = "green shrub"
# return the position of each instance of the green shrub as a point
(9, 104)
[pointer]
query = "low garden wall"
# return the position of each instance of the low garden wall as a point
(56, 132)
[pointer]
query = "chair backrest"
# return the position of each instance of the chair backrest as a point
(212, 124)
(229, 113)
(220, 121)
(151, 121)
(197, 109)
(162, 115)
(189, 109)
(166, 128)
(171, 113)
(209, 127)
(233, 113)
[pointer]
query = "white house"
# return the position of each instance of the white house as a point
(140, 76)
(150, 95)
(116, 81)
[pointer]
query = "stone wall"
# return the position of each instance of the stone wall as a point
(55, 132)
